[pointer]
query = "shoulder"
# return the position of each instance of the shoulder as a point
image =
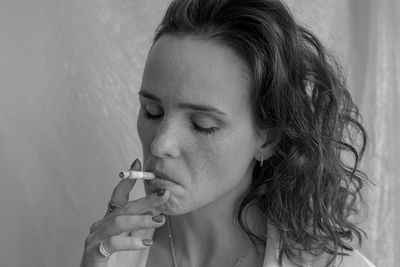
(355, 259)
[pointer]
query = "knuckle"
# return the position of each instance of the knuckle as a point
(113, 242)
(93, 227)
(119, 222)
(144, 220)
(122, 222)
(88, 240)
(133, 242)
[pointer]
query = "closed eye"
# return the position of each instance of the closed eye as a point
(194, 126)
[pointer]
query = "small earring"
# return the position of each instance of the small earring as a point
(262, 160)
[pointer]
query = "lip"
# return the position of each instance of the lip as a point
(164, 176)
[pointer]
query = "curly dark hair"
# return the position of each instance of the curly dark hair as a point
(311, 185)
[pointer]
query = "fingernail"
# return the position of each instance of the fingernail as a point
(160, 193)
(134, 163)
(158, 218)
(147, 242)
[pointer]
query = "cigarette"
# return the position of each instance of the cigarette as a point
(136, 175)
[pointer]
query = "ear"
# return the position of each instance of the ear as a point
(268, 143)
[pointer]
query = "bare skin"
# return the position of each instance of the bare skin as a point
(130, 218)
(210, 172)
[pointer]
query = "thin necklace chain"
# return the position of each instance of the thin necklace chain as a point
(171, 242)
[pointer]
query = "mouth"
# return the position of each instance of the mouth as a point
(162, 179)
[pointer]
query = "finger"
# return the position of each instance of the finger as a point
(147, 204)
(123, 243)
(121, 192)
(95, 226)
(128, 223)
(119, 243)
(142, 206)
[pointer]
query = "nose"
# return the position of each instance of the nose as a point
(166, 141)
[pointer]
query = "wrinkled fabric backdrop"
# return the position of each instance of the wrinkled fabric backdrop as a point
(69, 73)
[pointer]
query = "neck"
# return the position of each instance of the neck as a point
(207, 236)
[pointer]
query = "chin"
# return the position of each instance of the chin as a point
(175, 206)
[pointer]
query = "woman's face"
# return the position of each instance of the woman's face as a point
(195, 123)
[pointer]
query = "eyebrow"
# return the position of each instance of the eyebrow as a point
(198, 107)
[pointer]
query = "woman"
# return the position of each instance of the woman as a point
(245, 122)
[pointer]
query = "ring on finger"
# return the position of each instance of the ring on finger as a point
(112, 206)
(103, 251)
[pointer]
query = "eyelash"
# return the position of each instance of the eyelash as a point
(205, 131)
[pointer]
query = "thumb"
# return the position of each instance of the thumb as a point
(121, 192)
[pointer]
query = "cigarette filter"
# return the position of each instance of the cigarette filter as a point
(136, 175)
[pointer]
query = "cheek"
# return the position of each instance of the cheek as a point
(222, 161)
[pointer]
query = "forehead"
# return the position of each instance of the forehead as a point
(197, 71)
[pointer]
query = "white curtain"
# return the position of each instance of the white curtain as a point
(69, 73)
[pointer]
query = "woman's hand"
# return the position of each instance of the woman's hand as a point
(120, 229)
